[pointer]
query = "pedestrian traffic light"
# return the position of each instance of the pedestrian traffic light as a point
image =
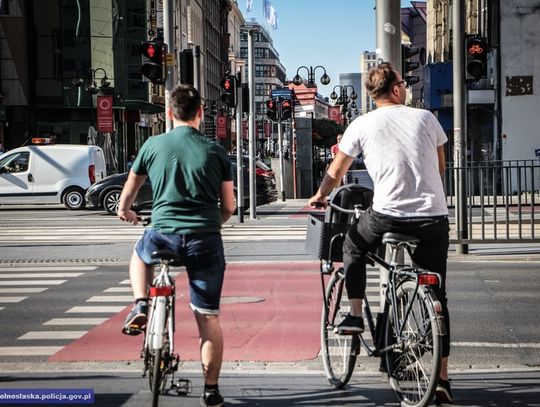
(271, 109)
(152, 67)
(407, 52)
(476, 58)
(228, 91)
(286, 109)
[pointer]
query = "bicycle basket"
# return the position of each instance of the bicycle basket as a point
(319, 235)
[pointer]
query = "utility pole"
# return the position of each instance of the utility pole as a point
(388, 50)
(251, 84)
(460, 122)
(168, 37)
(197, 67)
(389, 32)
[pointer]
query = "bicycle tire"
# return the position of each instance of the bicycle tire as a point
(155, 376)
(339, 352)
(414, 363)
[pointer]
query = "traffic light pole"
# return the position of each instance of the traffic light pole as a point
(168, 37)
(460, 123)
(280, 149)
(251, 82)
(239, 149)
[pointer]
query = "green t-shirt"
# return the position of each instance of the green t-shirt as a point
(186, 171)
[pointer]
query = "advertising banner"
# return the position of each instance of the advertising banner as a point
(105, 116)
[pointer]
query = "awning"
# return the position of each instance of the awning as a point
(144, 106)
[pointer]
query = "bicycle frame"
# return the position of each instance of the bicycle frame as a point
(162, 292)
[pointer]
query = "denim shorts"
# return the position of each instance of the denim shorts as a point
(203, 256)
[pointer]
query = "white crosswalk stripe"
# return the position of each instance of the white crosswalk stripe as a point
(121, 233)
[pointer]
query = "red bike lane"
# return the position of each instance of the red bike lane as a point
(270, 312)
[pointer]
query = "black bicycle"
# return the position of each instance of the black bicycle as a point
(407, 334)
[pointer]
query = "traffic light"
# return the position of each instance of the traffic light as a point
(228, 91)
(152, 68)
(407, 52)
(476, 58)
(286, 109)
(271, 109)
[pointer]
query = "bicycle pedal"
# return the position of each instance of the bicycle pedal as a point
(182, 387)
(132, 330)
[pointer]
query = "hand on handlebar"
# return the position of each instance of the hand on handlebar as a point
(316, 202)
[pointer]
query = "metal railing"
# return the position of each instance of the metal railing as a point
(503, 201)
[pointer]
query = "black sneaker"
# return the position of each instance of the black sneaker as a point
(211, 398)
(443, 392)
(350, 325)
(136, 320)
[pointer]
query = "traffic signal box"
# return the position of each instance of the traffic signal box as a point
(228, 91)
(407, 52)
(271, 109)
(152, 67)
(475, 58)
(286, 109)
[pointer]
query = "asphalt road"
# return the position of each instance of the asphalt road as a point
(493, 296)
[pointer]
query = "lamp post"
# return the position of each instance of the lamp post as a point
(346, 100)
(88, 80)
(298, 80)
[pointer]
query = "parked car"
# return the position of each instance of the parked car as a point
(50, 174)
(106, 193)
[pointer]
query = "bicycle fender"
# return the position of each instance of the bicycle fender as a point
(437, 307)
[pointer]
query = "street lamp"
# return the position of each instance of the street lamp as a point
(298, 80)
(89, 81)
(346, 100)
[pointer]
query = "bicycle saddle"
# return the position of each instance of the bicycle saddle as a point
(396, 238)
(166, 255)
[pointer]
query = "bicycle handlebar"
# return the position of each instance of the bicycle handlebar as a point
(145, 220)
(343, 210)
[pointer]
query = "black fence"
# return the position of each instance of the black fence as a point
(502, 200)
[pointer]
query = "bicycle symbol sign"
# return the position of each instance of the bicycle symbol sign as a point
(476, 49)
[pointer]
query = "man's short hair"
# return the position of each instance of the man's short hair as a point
(185, 102)
(380, 79)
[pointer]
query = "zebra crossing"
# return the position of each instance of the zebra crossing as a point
(114, 233)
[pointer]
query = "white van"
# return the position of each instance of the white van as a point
(50, 174)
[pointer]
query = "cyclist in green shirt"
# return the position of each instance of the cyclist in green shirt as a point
(193, 196)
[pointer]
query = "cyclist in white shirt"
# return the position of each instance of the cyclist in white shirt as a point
(403, 153)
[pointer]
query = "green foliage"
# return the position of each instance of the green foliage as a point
(325, 131)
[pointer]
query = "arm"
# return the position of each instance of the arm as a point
(129, 193)
(332, 178)
(442, 161)
(226, 198)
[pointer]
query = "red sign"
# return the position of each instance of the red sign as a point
(105, 117)
(334, 114)
(221, 127)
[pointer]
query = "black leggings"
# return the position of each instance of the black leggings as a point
(431, 253)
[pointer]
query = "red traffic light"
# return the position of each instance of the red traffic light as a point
(270, 104)
(150, 51)
(476, 48)
(227, 84)
(286, 103)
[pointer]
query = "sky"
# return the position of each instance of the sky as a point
(319, 32)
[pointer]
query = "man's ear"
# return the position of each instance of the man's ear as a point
(170, 115)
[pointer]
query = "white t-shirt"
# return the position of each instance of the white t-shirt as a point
(399, 145)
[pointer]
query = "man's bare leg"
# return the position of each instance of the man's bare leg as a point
(140, 276)
(211, 346)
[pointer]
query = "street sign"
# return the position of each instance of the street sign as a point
(284, 93)
(169, 59)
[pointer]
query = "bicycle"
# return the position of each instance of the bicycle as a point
(158, 355)
(407, 335)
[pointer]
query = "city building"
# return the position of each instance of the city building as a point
(368, 60)
(269, 74)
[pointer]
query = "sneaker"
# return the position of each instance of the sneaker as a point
(136, 320)
(443, 392)
(350, 325)
(211, 398)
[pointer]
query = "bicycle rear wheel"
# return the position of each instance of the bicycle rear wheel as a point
(155, 376)
(338, 351)
(413, 357)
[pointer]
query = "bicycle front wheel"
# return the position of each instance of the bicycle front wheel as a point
(338, 351)
(413, 346)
